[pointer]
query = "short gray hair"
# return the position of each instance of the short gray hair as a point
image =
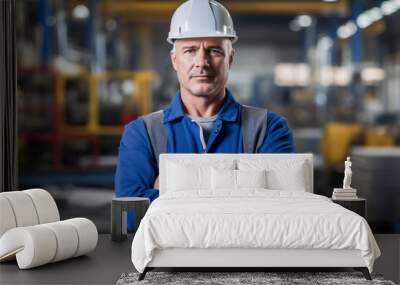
(173, 47)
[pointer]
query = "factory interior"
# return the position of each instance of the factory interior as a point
(86, 68)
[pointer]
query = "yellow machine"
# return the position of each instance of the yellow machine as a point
(338, 138)
(336, 141)
(92, 129)
(379, 136)
(141, 97)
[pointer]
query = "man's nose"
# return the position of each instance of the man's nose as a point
(201, 59)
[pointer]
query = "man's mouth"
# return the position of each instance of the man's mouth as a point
(205, 76)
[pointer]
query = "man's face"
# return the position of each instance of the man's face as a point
(202, 65)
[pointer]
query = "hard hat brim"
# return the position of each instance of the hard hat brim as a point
(233, 38)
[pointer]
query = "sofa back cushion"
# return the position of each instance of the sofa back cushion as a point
(282, 174)
(180, 172)
(234, 180)
(188, 174)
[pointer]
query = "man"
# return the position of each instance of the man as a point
(203, 117)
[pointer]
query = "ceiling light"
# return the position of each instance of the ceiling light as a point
(347, 30)
(80, 12)
(292, 74)
(388, 8)
(304, 21)
(371, 75)
(325, 42)
(342, 76)
(375, 14)
(363, 21)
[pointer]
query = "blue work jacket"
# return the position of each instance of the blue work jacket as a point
(137, 167)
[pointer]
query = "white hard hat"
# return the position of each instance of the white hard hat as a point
(199, 19)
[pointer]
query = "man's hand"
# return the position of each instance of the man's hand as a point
(156, 183)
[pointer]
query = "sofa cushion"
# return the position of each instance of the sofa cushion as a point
(231, 180)
(251, 178)
(187, 175)
(283, 171)
(281, 174)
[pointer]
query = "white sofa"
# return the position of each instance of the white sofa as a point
(31, 231)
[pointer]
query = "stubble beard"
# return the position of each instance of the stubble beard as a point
(212, 90)
(203, 94)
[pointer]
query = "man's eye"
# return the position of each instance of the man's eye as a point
(216, 51)
(188, 51)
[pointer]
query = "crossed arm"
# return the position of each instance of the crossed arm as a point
(137, 171)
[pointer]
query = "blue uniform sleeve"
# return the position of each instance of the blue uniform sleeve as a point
(136, 167)
(279, 137)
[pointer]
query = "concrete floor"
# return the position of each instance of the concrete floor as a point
(389, 262)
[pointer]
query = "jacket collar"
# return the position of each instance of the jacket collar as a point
(229, 110)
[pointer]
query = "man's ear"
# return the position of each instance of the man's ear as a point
(173, 59)
(231, 57)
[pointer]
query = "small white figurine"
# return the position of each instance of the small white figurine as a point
(347, 174)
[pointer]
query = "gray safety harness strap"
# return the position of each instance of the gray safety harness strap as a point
(157, 132)
(254, 127)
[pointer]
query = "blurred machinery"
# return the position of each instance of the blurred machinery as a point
(80, 80)
(338, 138)
(67, 117)
(336, 141)
(110, 100)
(375, 172)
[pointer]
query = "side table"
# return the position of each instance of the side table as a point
(119, 211)
(357, 205)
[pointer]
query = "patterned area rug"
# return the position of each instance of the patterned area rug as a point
(269, 278)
